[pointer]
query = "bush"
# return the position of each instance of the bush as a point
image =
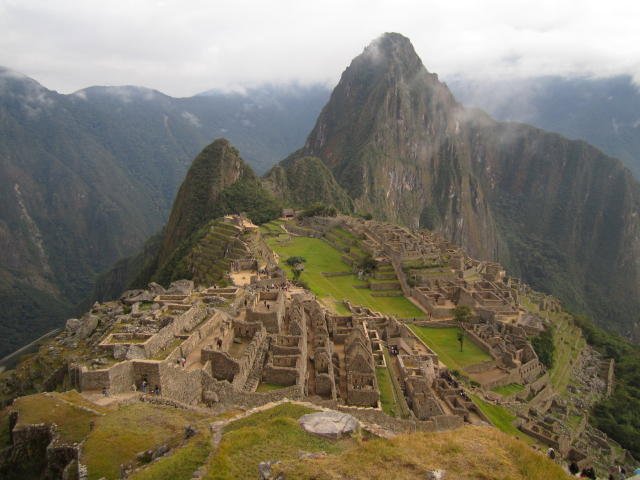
(544, 348)
(319, 210)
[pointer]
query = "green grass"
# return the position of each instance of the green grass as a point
(387, 397)
(507, 390)
(268, 387)
(171, 346)
(180, 464)
(499, 416)
(271, 435)
(444, 342)
(467, 453)
(568, 342)
(119, 436)
(73, 422)
(322, 257)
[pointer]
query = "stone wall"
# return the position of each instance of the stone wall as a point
(180, 385)
(225, 394)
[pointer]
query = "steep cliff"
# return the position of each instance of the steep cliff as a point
(558, 212)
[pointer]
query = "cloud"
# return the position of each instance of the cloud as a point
(182, 48)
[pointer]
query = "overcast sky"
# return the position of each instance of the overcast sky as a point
(185, 47)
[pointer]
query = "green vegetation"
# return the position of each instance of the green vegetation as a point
(461, 314)
(119, 436)
(544, 346)
(508, 390)
(272, 434)
(180, 464)
(322, 257)
(304, 181)
(568, 342)
(268, 387)
(444, 341)
(73, 422)
(499, 416)
(618, 415)
(387, 397)
(319, 210)
(467, 453)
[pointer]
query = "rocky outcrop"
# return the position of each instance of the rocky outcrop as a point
(329, 424)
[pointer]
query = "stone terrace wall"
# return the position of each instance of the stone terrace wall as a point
(227, 395)
(180, 385)
(195, 339)
(183, 323)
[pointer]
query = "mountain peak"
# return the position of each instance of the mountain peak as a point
(388, 50)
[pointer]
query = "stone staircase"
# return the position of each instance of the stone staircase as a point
(253, 380)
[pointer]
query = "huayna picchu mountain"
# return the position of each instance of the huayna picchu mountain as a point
(195, 240)
(560, 213)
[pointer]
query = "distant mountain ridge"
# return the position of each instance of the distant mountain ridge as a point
(86, 178)
(602, 111)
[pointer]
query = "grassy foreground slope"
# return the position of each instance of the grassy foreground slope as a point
(467, 453)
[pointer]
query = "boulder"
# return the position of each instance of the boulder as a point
(330, 424)
(145, 457)
(210, 397)
(181, 287)
(120, 351)
(264, 470)
(189, 432)
(160, 451)
(135, 352)
(72, 325)
(436, 475)
(87, 326)
(156, 289)
(133, 296)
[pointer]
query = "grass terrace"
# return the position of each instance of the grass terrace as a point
(444, 342)
(568, 342)
(500, 417)
(322, 257)
(119, 436)
(180, 464)
(508, 390)
(73, 420)
(387, 397)
(268, 387)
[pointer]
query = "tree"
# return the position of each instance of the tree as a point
(297, 266)
(461, 338)
(368, 264)
(462, 314)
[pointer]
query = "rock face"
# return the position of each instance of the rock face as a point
(558, 213)
(329, 424)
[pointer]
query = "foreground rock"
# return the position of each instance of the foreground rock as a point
(329, 424)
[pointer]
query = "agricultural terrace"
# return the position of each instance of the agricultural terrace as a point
(568, 342)
(501, 418)
(323, 258)
(444, 342)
